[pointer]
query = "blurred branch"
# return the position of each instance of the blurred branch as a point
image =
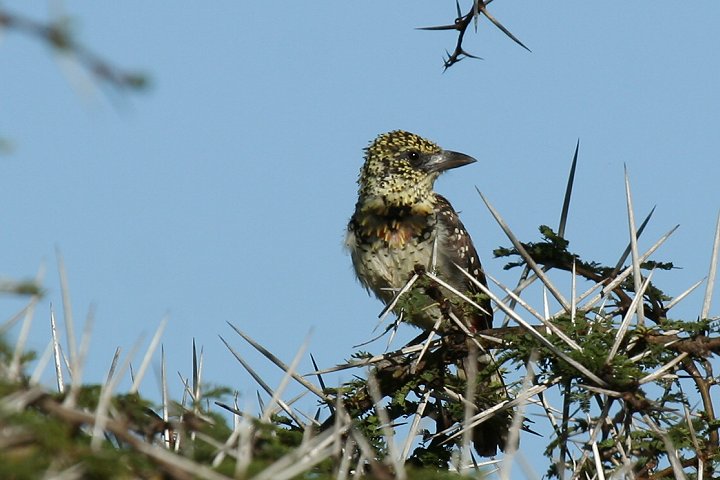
(59, 37)
(23, 287)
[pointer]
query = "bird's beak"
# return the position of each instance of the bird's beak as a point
(445, 160)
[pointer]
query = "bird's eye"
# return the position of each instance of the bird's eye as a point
(413, 156)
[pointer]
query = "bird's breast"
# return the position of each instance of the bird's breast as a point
(386, 251)
(391, 232)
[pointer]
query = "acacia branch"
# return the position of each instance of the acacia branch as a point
(704, 389)
(699, 346)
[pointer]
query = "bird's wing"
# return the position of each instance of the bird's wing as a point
(459, 249)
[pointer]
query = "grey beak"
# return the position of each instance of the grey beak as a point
(445, 160)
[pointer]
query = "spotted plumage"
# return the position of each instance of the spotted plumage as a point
(399, 221)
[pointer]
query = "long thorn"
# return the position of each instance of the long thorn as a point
(637, 276)
(568, 193)
(633, 309)
(67, 308)
(503, 29)
(628, 249)
(713, 271)
(262, 384)
(148, 355)
(687, 292)
(525, 255)
(532, 331)
(279, 363)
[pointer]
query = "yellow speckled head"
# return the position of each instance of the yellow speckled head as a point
(400, 169)
(393, 153)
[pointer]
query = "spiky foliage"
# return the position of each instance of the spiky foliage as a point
(614, 381)
(635, 385)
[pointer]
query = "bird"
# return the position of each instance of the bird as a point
(401, 224)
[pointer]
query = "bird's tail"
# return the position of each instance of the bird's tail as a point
(490, 390)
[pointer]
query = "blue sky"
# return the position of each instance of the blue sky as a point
(222, 192)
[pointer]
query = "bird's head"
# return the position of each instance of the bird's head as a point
(400, 170)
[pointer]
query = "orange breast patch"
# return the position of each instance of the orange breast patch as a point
(394, 233)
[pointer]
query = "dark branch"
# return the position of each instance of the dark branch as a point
(462, 23)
